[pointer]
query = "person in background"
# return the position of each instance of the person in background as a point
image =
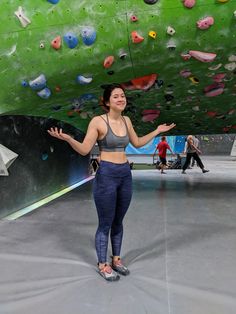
(112, 189)
(196, 142)
(162, 148)
(192, 152)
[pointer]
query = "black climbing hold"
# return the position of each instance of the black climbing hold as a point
(110, 72)
(168, 97)
(150, 1)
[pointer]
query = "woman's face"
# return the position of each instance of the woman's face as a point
(117, 101)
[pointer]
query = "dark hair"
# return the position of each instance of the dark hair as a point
(107, 93)
(163, 138)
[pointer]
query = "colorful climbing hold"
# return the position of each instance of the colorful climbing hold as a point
(214, 89)
(122, 54)
(56, 43)
(230, 66)
(88, 35)
(170, 30)
(22, 17)
(38, 83)
(171, 45)
(144, 82)
(149, 115)
(185, 73)
(136, 38)
(53, 1)
(133, 18)
(152, 34)
(71, 40)
(84, 80)
(211, 113)
(205, 23)
(57, 89)
(108, 62)
(42, 45)
(202, 56)
(150, 1)
(215, 67)
(24, 83)
(193, 79)
(218, 77)
(44, 93)
(44, 156)
(189, 3)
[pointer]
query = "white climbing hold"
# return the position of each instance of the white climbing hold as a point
(22, 17)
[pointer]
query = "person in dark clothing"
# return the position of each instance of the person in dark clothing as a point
(192, 152)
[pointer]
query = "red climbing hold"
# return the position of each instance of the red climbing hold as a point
(56, 43)
(108, 62)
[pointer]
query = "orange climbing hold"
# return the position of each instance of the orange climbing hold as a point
(56, 43)
(108, 62)
(136, 38)
(144, 82)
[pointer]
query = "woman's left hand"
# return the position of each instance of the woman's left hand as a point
(164, 127)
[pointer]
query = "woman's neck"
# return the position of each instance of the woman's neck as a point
(114, 115)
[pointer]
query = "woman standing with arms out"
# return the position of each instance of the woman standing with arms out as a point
(112, 188)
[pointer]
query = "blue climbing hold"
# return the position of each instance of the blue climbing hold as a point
(44, 156)
(87, 97)
(38, 83)
(71, 40)
(53, 1)
(84, 80)
(24, 83)
(44, 93)
(88, 35)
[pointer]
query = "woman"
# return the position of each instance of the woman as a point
(113, 182)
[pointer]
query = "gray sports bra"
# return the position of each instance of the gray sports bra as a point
(111, 142)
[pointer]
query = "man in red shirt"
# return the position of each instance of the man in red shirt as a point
(162, 148)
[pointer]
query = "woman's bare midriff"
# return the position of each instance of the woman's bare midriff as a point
(115, 157)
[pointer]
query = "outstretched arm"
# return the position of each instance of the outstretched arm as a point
(141, 141)
(82, 148)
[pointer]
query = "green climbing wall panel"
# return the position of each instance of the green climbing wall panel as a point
(178, 97)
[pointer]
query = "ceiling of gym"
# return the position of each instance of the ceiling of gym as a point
(175, 58)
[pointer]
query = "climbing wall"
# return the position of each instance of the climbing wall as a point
(176, 59)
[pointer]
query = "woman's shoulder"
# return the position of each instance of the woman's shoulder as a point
(99, 117)
(127, 119)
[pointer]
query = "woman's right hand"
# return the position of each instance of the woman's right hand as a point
(59, 134)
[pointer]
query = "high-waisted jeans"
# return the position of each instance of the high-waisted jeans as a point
(112, 192)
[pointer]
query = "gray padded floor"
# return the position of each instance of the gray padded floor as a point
(179, 243)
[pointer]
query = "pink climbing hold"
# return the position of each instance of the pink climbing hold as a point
(136, 38)
(185, 56)
(205, 23)
(56, 43)
(211, 113)
(149, 115)
(108, 62)
(133, 18)
(202, 56)
(214, 89)
(218, 77)
(189, 3)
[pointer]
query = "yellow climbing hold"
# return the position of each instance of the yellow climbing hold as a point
(152, 34)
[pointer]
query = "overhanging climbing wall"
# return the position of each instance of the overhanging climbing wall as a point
(177, 63)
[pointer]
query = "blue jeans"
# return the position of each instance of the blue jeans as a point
(112, 191)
